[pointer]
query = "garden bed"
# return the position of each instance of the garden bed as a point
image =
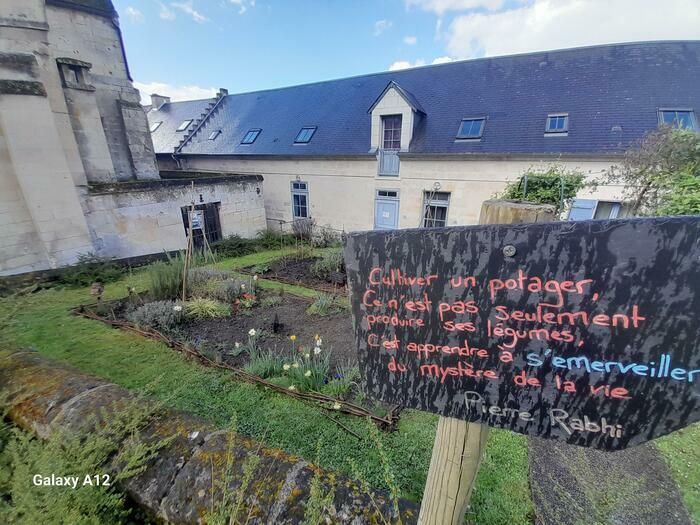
(330, 278)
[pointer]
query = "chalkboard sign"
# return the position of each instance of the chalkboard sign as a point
(580, 331)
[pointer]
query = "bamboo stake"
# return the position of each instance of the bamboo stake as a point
(459, 445)
(188, 251)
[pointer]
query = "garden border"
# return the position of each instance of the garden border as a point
(321, 400)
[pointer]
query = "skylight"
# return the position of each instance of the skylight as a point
(558, 123)
(155, 126)
(471, 128)
(214, 134)
(305, 134)
(678, 118)
(250, 137)
(184, 125)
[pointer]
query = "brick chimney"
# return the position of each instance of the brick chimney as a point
(158, 100)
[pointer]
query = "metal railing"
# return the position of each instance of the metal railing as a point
(388, 160)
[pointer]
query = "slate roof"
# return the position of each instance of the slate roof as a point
(95, 7)
(601, 88)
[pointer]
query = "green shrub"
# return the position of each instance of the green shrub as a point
(203, 308)
(228, 291)
(345, 377)
(91, 268)
(326, 237)
(324, 304)
(166, 277)
(270, 240)
(203, 282)
(271, 301)
(160, 315)
(331, 261)
(260, 268)
(263, 363)
(234, 246)
(554, 185)
(308, 368)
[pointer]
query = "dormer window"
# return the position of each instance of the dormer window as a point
(184, 125)
(471, 128)
(678, 118)
(557, 123)
(214, 134)
(250, 137)
(391, 132)
(155, 126)
(305, 134)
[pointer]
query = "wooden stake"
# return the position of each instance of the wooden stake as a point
(459, 445)
(188, 251)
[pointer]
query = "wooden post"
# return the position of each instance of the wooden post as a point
(459, 445)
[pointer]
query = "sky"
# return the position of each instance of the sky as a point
(188, 49)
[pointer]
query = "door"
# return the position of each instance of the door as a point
(386, 210)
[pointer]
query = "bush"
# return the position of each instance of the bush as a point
(260, 268)
(269, 302)
(325, 237)
(203, 308)
(163, 316)
(554, 185)
(303, 229)
(166, 277)
(228, 291)
(91, 268)
(270, 240)
(325, 304)
(234, 246)
(331, 261)
(343, 380)
(202, 282)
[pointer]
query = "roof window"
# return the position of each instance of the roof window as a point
(678, 118)
(557, 123)
(155, 126)
(250, 137)
(184, 125)
(214, 134)
(471, 128)
(305, 134)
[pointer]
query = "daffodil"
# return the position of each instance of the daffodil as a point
(317, 337)
(292, 387)
(307, 373)
(177, 308)
(242, 286)
(252, 332)
(307, 355)
(317, 350)
(255, 277)
(319, 341)
(295, 365)
(237, 344)
(336, 406)
(293, 337)
(285, 366)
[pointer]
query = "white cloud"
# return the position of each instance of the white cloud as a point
(134, 15)
(405, 64)
(243, 5)
(165, 12)
(380, 26)
(410, 40)
(188, 9)
(553, 24)
(440, 7)
(174, 92)
(442, 60)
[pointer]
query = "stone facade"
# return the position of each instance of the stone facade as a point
(71, 122)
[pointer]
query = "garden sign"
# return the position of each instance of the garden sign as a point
(579, 331)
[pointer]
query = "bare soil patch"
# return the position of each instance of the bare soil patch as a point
(298, 271)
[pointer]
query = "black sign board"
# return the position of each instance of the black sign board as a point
(586, 332)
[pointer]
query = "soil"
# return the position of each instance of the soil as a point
(335, 330)
(298, 271)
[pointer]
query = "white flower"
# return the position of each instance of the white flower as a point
(292, 387)
(317, 350)
(177, 308)
(295, 365)
(252, 332)
(319, 341)
(242, 286)
(336, 406)
(307, 356)
(285, 366)
(307, 373)
(237, 344)
(255, 277)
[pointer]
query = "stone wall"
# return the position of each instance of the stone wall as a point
(141, 218)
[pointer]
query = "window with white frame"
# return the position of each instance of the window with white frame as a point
(435, 205)
(391, 132)
(558, 123)
(678, 118)
(586, 209)
(300, 200)
(184, 125)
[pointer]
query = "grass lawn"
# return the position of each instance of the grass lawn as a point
(42, 321)
(682, 452)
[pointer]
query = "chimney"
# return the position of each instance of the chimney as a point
(158, 100)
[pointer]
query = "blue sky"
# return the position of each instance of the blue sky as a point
(188, 48)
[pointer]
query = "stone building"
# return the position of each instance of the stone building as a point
(426, 146)
(77, 167)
